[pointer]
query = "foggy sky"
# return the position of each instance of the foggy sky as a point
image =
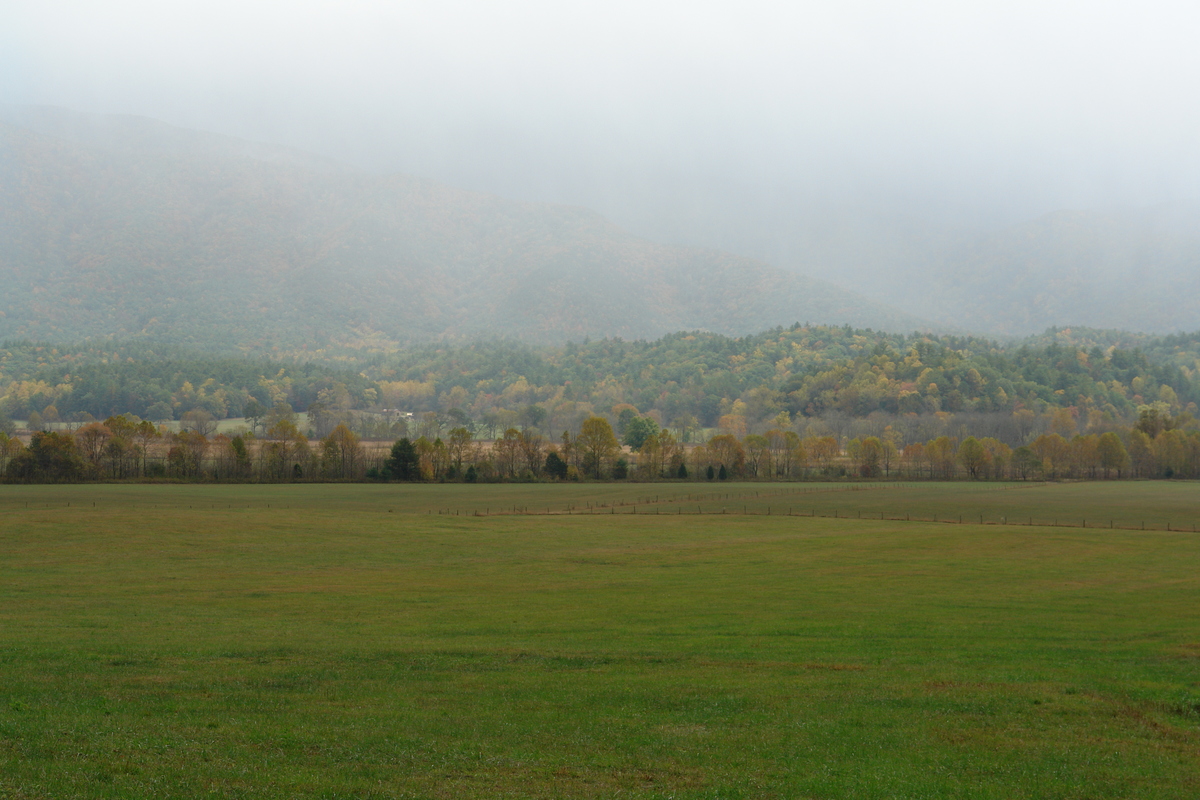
(683, 119)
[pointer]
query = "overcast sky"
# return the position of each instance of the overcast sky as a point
(1006, 108)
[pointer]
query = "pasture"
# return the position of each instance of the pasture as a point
(597, 640)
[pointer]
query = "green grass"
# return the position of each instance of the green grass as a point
(1121, 504)
(350, 641)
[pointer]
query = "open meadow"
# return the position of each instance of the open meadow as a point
(694, 640)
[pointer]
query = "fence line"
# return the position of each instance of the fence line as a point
(692, 504)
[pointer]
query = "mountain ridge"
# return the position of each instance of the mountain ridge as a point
(227, 248)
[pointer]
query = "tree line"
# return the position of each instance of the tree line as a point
(1158, 445)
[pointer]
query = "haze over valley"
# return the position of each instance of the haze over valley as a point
(124, 226)
(129, 227)
(250, 179)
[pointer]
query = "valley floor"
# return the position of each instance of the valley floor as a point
(592, 640)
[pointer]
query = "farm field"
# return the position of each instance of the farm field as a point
(596, 640)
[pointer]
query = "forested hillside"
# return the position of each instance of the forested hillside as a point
(683, 380)
(159, 383)
(804, 372)
(131, 228)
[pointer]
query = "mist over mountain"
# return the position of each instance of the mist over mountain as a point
(1136, 269)
(122, 225)
(990, 168)
(1001, 274)
(125, 226)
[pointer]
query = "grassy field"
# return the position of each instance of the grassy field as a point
(385, 641)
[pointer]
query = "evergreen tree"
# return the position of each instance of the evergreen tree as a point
(555, 466)
(403, 464)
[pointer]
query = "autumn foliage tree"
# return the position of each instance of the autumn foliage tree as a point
(724, 450)
(597, 445)
(50, 458)
(1113, 455)
(341, 454)
(973, 456)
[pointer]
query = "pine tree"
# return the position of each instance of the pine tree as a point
(402, 464)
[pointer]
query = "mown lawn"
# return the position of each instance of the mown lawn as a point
(351, 641)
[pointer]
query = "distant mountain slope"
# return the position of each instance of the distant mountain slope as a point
(1136, 270)
(125, 226)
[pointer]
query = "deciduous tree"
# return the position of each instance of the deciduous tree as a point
(598, 445)
(1113, 455)
(50, 458)
(341, 454)
(973, 457)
